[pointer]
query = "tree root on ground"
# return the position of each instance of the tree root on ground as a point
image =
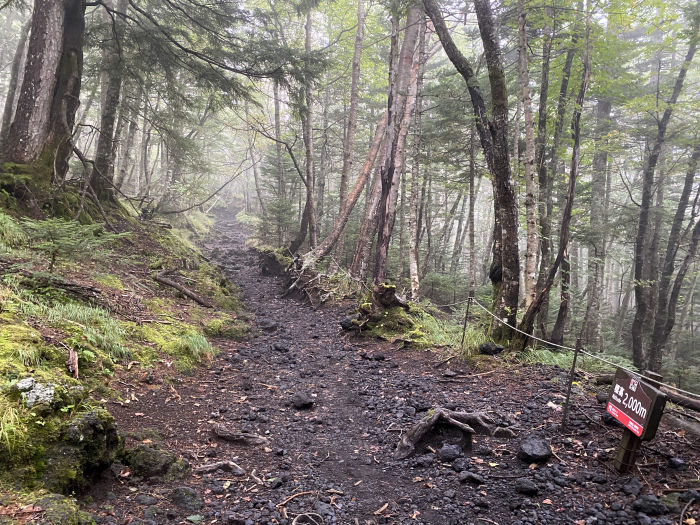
(242, 438)
(467, 422)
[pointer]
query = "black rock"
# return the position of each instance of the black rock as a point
(379, 357)
(633, 487)
(602, 397)
(302, 401)
(267, 325)
(186, 499)
(650, 505)
(450, 373)
(470, 477)
(233, 518)
(526, 487)
(690, 494)
(280, 347)
(460, 464)
(145, 499)
(490, 348)
(534, 449)
(347, 322)
(483, 450)
(610, 421)
(677, 464)
(449, 452)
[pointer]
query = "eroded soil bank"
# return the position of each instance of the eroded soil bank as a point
(333, 407)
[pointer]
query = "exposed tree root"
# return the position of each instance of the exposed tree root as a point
(468, 422)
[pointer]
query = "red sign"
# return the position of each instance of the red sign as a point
(629, 404)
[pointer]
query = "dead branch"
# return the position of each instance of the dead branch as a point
(160, 277)
(242, 438)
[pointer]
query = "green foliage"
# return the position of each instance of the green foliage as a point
(191, 348)
(58, 238)
(565, 360)
(11, 427)
(11, 233)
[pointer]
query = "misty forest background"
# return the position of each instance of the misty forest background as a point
(382, 140)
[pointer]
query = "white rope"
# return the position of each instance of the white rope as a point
(671, 387)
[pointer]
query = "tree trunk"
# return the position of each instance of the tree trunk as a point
(9, 109)
(413, 226)
(640, 352)
(546, 180)
(596, 249)
(351, 130)
(281, 183)
(368, 229)
(665, 311)
(41, 131)
(527, 323)
(494, 141)
(323, 249)
(530, 200)
(402, 230)
(401, 104)
(308, 220)
(100, 179)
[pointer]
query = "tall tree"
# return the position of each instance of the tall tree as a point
(40, 133)
(493, 133)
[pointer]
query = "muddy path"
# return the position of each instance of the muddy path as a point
(333, 406)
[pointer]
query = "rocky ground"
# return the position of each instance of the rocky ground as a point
(332, 407)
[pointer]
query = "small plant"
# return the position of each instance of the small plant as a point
(10, 424)
(11, 234)
(194, 345)
(58, 238)
(31, 356)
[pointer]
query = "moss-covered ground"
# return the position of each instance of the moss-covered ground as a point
(103, 305)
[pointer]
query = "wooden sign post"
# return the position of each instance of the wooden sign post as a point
(636, 403)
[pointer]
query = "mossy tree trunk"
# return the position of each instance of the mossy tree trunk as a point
(40, 135)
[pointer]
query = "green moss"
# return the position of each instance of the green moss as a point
(223, 325)
(274, 261)
(415, 328)
(109, 280)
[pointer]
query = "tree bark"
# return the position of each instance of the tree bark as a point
(413, 226)
(642, 289)
(40, 133)
(596, 249)
(527, 323)
(401, 104)
(281, 183)
(530, 200)
(9, 109)
(494, 141)
(100, 179)
(351, 130)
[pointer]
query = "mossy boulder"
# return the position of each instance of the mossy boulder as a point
(223, 325)
(151, 461)
(60, 510)
(273, 261)
(88, 445)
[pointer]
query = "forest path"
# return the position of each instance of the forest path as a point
(336, 457)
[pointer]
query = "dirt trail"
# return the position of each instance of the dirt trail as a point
(336, 456)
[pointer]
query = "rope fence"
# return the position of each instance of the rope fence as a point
(581, 350)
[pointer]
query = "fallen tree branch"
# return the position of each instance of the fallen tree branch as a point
(160, 278)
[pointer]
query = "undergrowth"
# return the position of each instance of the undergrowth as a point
(565, 359)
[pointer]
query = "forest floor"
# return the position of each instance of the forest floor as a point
(335, 458)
